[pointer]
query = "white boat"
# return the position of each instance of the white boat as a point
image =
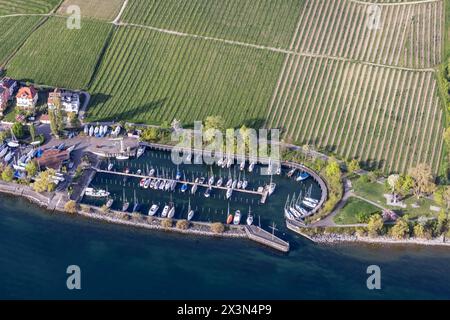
(251, 166)
(312, 200)
(96, 131)
(116, 131)
(9, 157)
(140, 152)
(272, 187)
(242, 166)
(110, 166)
(100, 131)
(122, 157)
(244, 184)
(86, 129)
(153, 210)
(211, 181)
(165, 211)
(194, 188)
(239, 185)
(190, 212)
(109, 203)
(229, 162)
(219, 182)
(91, 131)
(208, 192)
(167, 185)
(309, 204)
(173, 185)
(152, 172)
(291, 172)
(249, 217)
(171, 213)
(147, 183)
(220, 162)
(105, 130)
(91, 192)
(13, 144)
(234, 184)
(237, 217)
(229, 193)
(229, 183)
(189, 158)
(162, 184)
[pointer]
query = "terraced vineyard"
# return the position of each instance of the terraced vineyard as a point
(26, 6)
(148, 76)
(264, 22)
(57, 56)
(15, 31)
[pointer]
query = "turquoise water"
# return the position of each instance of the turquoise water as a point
(121, 262)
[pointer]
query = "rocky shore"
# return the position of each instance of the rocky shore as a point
(341, 238)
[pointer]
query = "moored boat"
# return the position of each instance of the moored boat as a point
(153, 210)
(237, 217)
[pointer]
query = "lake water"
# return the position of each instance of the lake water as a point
(121, 262)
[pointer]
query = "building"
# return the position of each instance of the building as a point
(27, 98)
(7, 89)
(53, 159)
(69, 101)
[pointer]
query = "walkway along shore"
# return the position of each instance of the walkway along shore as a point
(196, 228)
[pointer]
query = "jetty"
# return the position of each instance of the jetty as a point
(263, 194)
(266, 238)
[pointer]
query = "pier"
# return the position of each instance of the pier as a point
(266, 238)
(263, 194)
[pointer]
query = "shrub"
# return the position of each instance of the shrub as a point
(70, 207)
(167, 223)
(217, 227)
(182, 224)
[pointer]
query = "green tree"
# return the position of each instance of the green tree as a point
(73, 120)
(375, 225)
(44, 181)
(53, 122)
(8, 174)
(442, 223)
(32, 130)
(213, 123)
(401, 229)
(447, 137)
(353, 166)
(32, 168)
(333, 170)
(150, 134)
(71, 207)
(17, 129)
(420, 232)
(3, 136)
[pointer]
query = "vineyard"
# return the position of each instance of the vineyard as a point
(57, 56)
(263, 22)
(147, 76)
(15, 31)
(100, 9)
(26, 6)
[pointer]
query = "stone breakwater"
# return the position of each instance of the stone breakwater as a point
(341, 238)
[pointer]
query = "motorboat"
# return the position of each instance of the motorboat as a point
(167, 185)
(147, 183)
(229, 162)
(202, 180)
(184, 187)
(91, 131)
(151, 173)
(242, 166)
(140, 152)
(165, 211)
(153, 210)
(251, 166)
(219, 182)
(171, 213)
(244, 184)
(194, 188)
(208, 192)
(249, 217)
(291, 172)
(237, 217)
(303, 176)
(229, 183)
(211, 181)
(91, 192)
(110, 166)
(190, 212)
(271, 188)
(142, 182)
(229, 193)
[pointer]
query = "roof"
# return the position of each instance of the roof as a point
(27, 92)
(54, 94)
(53, 159)
(8, 82)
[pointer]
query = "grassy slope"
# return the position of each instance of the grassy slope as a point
(265, 22)
(150, 77)
(27, 6)
(354, 206)
(16, 31)
(98, 9)
(56, 56)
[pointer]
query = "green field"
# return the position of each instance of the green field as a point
(147, 76)
(15, 31)
(57, 56)
(27, 6)
(354, 207)
(263, 22)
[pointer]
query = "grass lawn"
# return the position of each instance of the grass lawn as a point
(375, 192)
(57, 56)
(98, 9)
(26, 6)
(354, 206)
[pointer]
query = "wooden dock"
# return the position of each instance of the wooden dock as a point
(263, 194)
(266, 238)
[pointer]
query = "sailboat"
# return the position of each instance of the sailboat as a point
(242, 165)
(229, 193)
(140, 151)
(244, 182)
(272, 186)
(136, 204)
(190, 212)
(109, 203)
(171, 212)
(208, 192)
(251, 166)
(194, 187)
(229, 162)
(126, 204)
(178, 175)
(211, 179)
(219, 182)
(287, 212)
(184, 187)
(122, 155)
(165, 211)
(229, 215)
(291, 172)
(237, 217)
(239, 183)
(249, 217)
(13, 143)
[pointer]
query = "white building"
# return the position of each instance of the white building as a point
(70, 101)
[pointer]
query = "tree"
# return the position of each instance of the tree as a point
(213, 123)
(423, 180)
(32, 168)
(375, 225)
(363, 217)
(442, 223)
(392, 182)
(333, 170)
(150, 134)
(442, 197)
(3, 136)
(217, 227)
(32, 132)
(182, 224)
(167, 223)
(8, 174)
(419, 231)
(353, 166)
(405, 184)
(53, 122)
(447, 137)
(17, 129)
(401, 229)
(71, 207)
(44, 181)
(73, 120)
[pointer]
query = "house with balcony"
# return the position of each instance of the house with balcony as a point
(26, 99)
(68, 100)
(7, 89)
